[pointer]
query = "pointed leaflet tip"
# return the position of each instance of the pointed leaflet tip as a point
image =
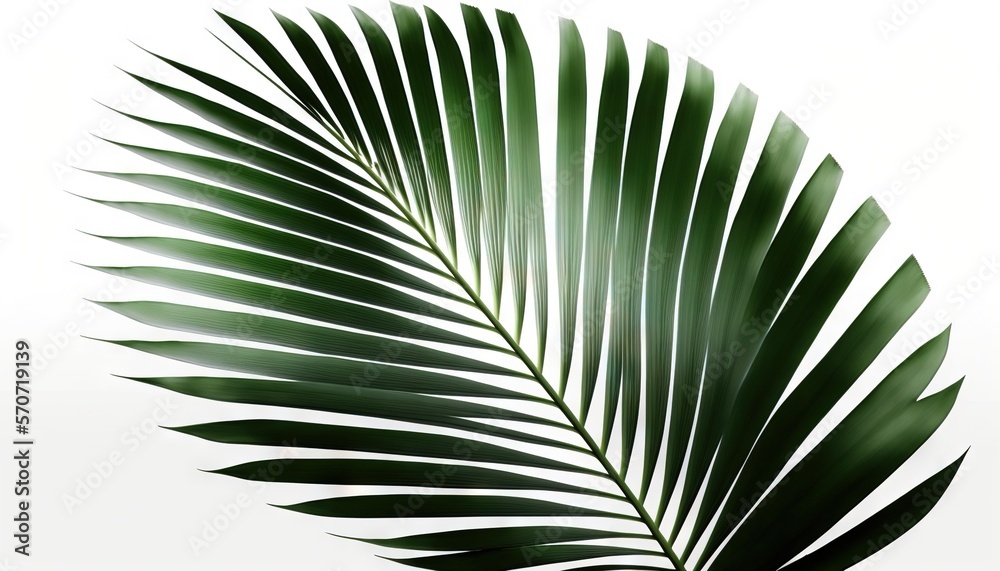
(370, 541)
(831, 159)
(71, 193)
(784, 123)
(743, 89)
(952, 389)
(178, 429)
(913, 260)
(110, 174)
(947, 334)
(105, 269)
(98, 201)
(430, 12)
(102, 236)
(652, 46)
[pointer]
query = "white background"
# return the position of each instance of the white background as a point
(893, 76)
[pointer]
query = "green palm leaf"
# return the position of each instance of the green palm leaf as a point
(347, 222)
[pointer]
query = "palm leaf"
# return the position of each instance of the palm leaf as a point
(351, 215)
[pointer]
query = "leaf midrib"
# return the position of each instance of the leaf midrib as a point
(518, 350)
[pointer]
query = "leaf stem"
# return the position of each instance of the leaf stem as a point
(516, 347)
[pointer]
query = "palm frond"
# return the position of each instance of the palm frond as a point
(351, 217)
